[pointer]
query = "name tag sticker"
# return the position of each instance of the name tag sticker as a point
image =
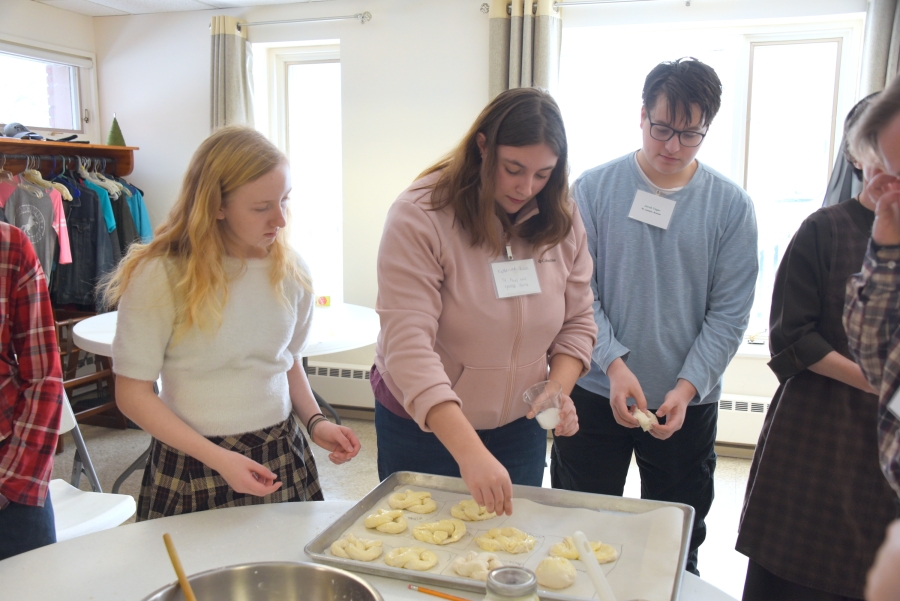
(515, 278)
(652, 209)
(894, 405)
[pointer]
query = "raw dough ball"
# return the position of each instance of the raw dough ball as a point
(511, 540)
(555, 572)
(417, 502)
(646, 419)
(471, 511)
(603, 552)
(476, 565)
(359, 549)
(391, 522)
(443, 532)
(411, 558)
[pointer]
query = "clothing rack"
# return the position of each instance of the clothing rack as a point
(120, 159)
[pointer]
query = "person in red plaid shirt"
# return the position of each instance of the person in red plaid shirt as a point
(31, 393)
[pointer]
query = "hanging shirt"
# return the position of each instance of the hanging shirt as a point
(33, 213)
(60, 227)
(105, 205)
(139, 214)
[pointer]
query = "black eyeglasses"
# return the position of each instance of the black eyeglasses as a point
(664, 133)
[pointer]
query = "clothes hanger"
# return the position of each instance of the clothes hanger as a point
(25, 184)
(66, 195)
(33, 174)
(5, 176)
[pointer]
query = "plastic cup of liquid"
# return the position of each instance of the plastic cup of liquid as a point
(544, 400)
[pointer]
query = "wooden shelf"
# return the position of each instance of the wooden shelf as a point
(122, 157)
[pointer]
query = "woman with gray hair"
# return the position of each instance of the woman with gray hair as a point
(814, 463)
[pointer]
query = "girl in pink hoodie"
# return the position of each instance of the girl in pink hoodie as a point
(483, 286)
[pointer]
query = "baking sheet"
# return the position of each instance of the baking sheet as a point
(650, 536)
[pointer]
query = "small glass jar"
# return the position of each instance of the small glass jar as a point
(511, 583)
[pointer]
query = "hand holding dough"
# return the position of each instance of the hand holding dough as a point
(443, 532)
(359, 549)
(646, 419)
(476, 565)
(511, 540)
(411, 558)
(391, 522)
(555, 572)
(471, 511)
(417, 502)
(603, 552)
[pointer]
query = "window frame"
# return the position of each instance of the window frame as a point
(85, 75)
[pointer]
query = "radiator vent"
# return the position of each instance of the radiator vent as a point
(337, 372)
(731, 403)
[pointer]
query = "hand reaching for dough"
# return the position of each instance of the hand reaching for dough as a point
(245, 475)
(568, 418)
(340, 440)
(488, 481)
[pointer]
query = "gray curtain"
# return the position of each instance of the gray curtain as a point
(231, 93)
(524, 45)
(881, 46)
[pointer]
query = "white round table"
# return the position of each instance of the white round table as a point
(334, 329)
(130, 562)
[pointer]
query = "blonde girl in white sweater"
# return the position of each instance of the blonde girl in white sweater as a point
(219, 305)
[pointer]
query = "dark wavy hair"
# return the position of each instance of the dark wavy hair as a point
(519, 117)
(684, 82)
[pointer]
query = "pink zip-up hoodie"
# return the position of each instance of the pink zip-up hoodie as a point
(445, 336)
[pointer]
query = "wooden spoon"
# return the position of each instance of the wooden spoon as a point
(176, 563)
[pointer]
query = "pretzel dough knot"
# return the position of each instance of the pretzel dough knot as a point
(555, 572)
(471, 511)
(511, 540)
(417, 502)
(443, 532)
(411, 558)
(476, 565)
(603, 552)
(359, 549)
(391, 522)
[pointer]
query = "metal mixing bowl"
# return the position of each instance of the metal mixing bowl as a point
(273, 581)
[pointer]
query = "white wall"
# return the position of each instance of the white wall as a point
(413, 79)
(47, 24)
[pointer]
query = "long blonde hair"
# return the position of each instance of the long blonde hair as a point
(190, 238)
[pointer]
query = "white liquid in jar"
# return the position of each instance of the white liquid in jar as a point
(548, 418)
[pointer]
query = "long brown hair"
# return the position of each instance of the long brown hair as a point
(519, 117)
(191, 238)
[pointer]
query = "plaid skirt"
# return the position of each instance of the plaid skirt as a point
(176, 483)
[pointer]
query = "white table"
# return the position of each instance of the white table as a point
(130, 562)
(334, 329)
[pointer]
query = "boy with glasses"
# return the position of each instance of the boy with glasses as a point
(675, 266)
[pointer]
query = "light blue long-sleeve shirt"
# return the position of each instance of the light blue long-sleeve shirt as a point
(672, 303)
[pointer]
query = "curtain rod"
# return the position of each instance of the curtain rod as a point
(485, 7)
(361, 17)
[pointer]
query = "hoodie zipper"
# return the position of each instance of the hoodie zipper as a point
(511, 379)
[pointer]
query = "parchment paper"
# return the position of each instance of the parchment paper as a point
(648, 543)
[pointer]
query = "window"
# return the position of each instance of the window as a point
(46, 90)
(303, 114)
(786, 90)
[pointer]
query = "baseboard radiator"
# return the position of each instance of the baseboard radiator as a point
(741, 418)
(342, 385)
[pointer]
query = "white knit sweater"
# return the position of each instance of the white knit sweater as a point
(230, 381)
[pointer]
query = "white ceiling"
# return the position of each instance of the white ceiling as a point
(108, 8)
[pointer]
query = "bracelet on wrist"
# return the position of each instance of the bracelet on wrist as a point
(314, 423)
(311, 418)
